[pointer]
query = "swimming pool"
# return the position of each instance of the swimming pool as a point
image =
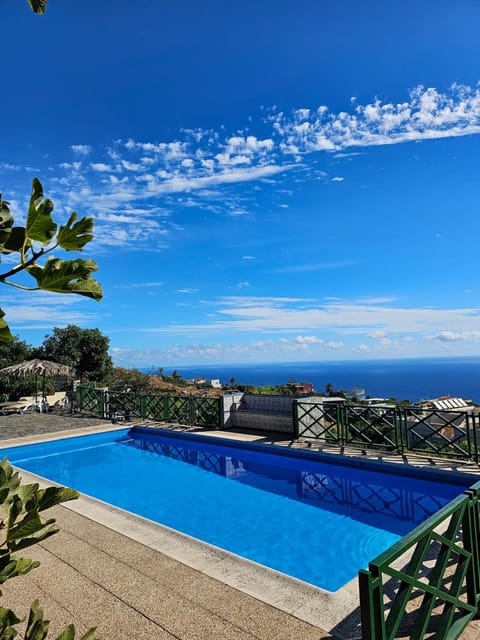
(295, 512)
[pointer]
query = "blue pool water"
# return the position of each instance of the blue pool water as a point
(299, 514)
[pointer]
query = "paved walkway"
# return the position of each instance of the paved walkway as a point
(93, 576)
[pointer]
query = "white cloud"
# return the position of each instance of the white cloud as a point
(335, 345)
(317, 266)
(132, 166)
(455, 336)
(140, 285)
(101, 166)
(428, 114)
(251, 314)
(308, 340)
(81, 149)
(205, 164)
(178, 183)
(235, 352)
(26, 310)
(377, 334)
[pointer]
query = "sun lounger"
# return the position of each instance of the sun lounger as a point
(26, 403)
(56, 400)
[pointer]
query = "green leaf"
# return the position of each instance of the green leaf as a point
(37, 627)
(75, 235)
(67, 276)
(40, 225)
(26, 492)
(11, 567)
(27, 527)
(68, 633)
(7, 619)
(5, 335)
(38, 6)
(15, 240)
(90, 635)
(52, 496)
(33, 539)
(6, 222)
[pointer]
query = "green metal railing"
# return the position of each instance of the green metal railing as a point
(90, 399)
(428, 583)
(452, 433)
(314, 420)
(188, 410)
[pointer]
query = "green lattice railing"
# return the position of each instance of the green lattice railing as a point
(314, 420)
(372, 427)
(187, 410)
(441, 433)
(124, 403)
(427, 585)
(451, 433)
(90, 400)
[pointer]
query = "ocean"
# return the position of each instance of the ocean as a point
(413, 380)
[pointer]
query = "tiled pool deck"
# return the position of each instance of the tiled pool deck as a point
(133, 579)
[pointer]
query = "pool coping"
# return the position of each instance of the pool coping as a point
(336, 612)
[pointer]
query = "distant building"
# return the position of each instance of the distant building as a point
(446, 403)
(300, 388)
(203, 382)
(356, 393)
(332, 399)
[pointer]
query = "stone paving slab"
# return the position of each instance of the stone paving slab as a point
(96, 577)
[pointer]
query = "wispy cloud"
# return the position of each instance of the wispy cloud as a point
(143, 182)
(428, 113)
(35, 310)
(318, 266)
(81, 149)
(455, 336)
(198, 352)
(344, 318)
(141, 285)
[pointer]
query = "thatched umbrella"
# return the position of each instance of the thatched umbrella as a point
(37, 368)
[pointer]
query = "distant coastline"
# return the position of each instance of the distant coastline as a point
(412, 379)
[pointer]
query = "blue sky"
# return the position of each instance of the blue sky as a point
(270, 181)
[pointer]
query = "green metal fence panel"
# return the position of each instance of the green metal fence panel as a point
(153, 407)
(443, 433)
(448, 433)
(192, 411)
(374, 427)
(318, 420)
(207, 412)
(178, 410)
(90, 400)
(126, 404)
(427, 584)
